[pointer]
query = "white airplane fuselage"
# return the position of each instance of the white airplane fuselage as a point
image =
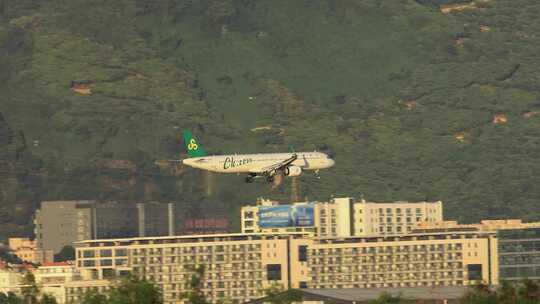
(259, 163)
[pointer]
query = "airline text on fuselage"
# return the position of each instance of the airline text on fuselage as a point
(230, 162)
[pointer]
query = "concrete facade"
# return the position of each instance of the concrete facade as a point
(60, 223)
(237, 266)
(28, 251)
(344, 217)
(240, 266)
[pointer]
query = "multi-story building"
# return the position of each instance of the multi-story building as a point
(519, 254)
(444, 259)
(205, 225)
(27, 250)
(237, 266)
(240, 266)
(340, 217)
(60, 223)
(155, 219)
(114, 220)
(57, 273)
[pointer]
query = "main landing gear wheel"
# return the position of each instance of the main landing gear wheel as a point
(270, 179)
(249, 179)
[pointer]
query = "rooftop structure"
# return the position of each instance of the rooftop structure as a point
(340, 217)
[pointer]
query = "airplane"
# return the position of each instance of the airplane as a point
(267, 165)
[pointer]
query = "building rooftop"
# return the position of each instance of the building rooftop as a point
(363, 295)
(56, 264)
(191, 238)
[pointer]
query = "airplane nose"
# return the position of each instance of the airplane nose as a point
(331, 162)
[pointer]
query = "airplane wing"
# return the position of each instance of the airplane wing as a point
(270, 170)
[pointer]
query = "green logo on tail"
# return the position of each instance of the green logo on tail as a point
(193, 148)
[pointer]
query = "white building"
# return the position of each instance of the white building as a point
(10, 280)
(340, 217)
(56, 273)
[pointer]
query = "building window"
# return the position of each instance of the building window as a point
(120, 252)
(89, 253)
(106, 262)
(273, 272)
(475, 272)
(89, 263)
(105, 253)
(302, 253)
(302, 284)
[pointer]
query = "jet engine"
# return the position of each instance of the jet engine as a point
(293, 171)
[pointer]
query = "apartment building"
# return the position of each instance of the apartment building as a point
(340, 217)
(414, 260)
(238, 266)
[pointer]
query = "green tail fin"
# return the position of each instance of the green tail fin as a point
(193, 148)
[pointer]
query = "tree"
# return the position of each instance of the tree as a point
(479, 294)
(386, 298)
(66, 254)
(30, 291)
(93, 297)
(47, 299)
(278, 295)
(507, 293)
(132, 290)
(10, 298)
(195, 295)
(529, 291)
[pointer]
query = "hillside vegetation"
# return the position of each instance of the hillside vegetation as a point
(413, 103)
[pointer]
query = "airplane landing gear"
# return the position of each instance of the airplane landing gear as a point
(270, 178)
(250, 178)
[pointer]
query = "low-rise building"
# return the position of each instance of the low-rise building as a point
(10, 279)
(57, 273)
(28, 251)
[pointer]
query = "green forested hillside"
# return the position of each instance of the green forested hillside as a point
(412, 103)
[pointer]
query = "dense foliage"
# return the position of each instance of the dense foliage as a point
(129, 290)
(527, 292)
(413, 104)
